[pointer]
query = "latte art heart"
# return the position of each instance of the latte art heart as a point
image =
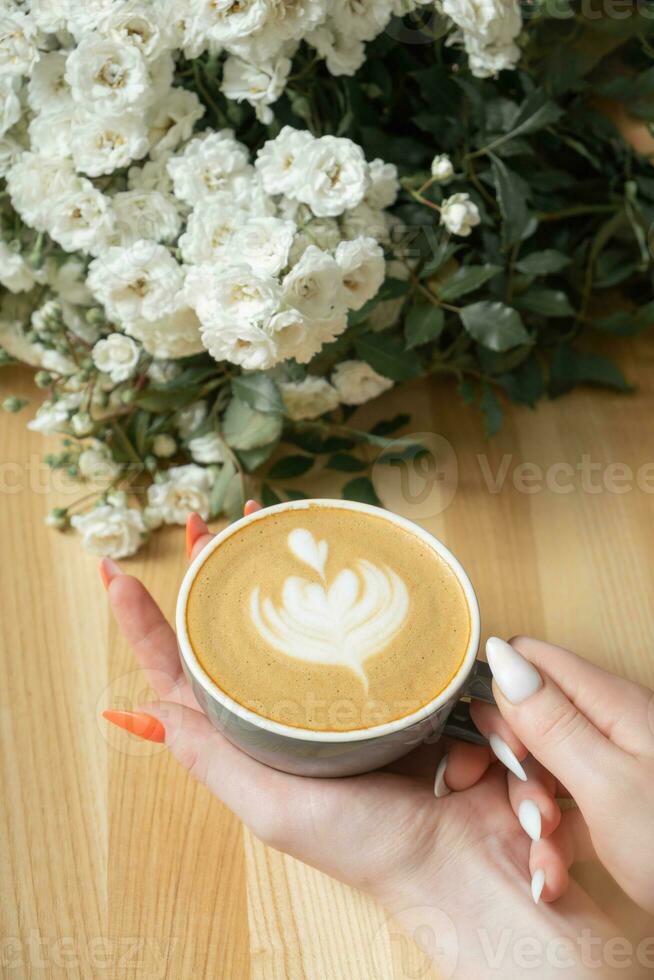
(342, 624)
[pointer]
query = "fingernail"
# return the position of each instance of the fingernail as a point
(440, 786)
(195, 528)
(109, 570)
(507, 756)
(137, 723)
(537, 883)
(529, 817)
(251, 506)
(516, 678)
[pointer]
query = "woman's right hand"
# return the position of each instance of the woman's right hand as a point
(591, 735)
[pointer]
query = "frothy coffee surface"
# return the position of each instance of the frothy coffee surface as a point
(328, 619)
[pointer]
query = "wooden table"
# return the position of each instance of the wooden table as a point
(115, 863)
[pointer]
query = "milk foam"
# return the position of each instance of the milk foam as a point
(342, 624)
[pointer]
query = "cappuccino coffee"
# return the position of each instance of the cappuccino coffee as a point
(327, 619)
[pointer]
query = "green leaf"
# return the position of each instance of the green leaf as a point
(386, 427)
(465, 280)
(268, 496)
(258, 391)
(536, 112)
(424, 322)
(251, 459)
(444, 251)
(386, 354)
(243, 428)
(546, 302)
(625, 324)
(290, 466)
(511, 201)
(361, 489)
(570, 367)
(525, 384)
(234, 499)
(334, 444)
(491, 409)
(494, 325)
(392, 289)
(295, 494)
(345, 463)
(542, 263)
(219, 488)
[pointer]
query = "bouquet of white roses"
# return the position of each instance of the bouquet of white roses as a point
(225, 225)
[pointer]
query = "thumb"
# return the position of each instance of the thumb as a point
(550, 725)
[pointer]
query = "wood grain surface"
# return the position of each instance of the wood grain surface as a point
(114, 863)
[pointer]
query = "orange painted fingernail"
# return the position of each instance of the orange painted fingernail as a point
(195, 528)
(250, 507)
(109, 570)
(137, 723)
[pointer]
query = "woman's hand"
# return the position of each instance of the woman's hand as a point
(591, 736)
(463, 856)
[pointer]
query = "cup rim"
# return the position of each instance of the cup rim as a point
(306, 734)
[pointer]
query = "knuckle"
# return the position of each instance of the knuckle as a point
(561, 724)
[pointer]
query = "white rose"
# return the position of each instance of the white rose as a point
(459, 214)
(442, 168)
(264, 243)
(49, 15)
(138, 25)
(210, 230)
(15, 274)
(363, 20)
(96, 464)
(334, 176)
(362, 264)
(231, 291)
(53, 416)
(18, 44)
(142, 281)
(180, 491)
(365, 222)
(83, 18)
(172, 336)
(34, 181)
(10, 109)
(259, 85)
(486, 61)
(51, 132)
(240, 341)
(101, 144)
(160, 372)
(227, 21)
(293, 336)
(190, 418)
(171, 121)
(107, 75)
(384, 185)
(207, 449)
(48, 89)
(309, 398)
(58, 363)
(206, 166)
(489, 29)
(141, 214)
(277, 158)
(343, 55)
(117, 356)
(152, 176)
(356, 382)
(315, 285)
(111, 531)
(81, 219)
(10, 151)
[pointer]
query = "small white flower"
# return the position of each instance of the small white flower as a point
(384, 185)
(226, 21)
(315, 285)
(207, 166)
(107, 75)
(171, 121)
(276, 160)
(111, 531)
(81, 220)
(142, 281)
(48, 89)
(53, 416)
(190, 418)
(58, 363)
(138, 25)
(459, 214)
(117, 356)
(264, 243)
(101, 144)
(210, 230)
(334, 176)
(260, 85)
(489, 29)
(356, 382)
(240, 341)
(160, 372)
(144, 214)
(362, 264)
(15, 273)
(233, 291)
(164, 446)
(51, 133)
(309, 398)
(207, 449)
(343, 54)
(180, 491)
(10, 109)
(18, 43)
(177, 334)
(34, 182)
(442, 168)
(96, 463)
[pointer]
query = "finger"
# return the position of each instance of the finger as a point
(150, 636)
(197, 535)
(569, 843)
(504, 743)
(618, 708)
(461, 767)
(534, 802)
(559, 735)
(251, 507)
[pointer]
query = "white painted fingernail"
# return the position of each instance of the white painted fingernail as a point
(537, 883)
(440, 787)
(516, 678)
(529, 817)
(505, 755)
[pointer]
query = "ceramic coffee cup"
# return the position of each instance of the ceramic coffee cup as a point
(329, 753)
